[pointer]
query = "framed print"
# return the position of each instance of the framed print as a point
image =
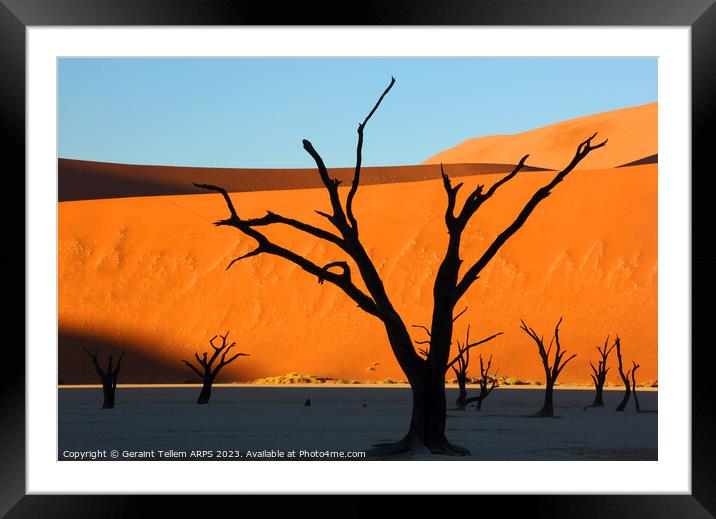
(341, 259)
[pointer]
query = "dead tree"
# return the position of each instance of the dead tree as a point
(552, 368)
(599, 373)
(625, 376)
(460, 370)
(425, 375)
(108, 377)
(460, 365)
(207, 371)
(634, 367)
(487, 384)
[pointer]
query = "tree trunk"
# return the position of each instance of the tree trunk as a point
(427, 384)
(598, 398)
(548, 406)
(205, 394)
(462, 396)
(478, 404)
(625, 400)
(427, 422)
(108, 390)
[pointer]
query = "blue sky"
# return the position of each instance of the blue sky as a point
(253, 112)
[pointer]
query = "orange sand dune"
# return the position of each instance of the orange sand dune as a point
(632, 134)
(148, 274)
(86, 180)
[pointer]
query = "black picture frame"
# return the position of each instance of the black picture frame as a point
(17, 15)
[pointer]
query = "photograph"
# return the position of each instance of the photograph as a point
(358, 258)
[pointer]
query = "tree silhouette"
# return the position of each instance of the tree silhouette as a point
(625, 376)
(634, 367)
(426, 376)
(487, 383)
(599, 373)
(108, 377)
(552, 368)
(460, 366)
(207, 371)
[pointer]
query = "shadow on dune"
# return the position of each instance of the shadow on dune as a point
(87, 180)
(651, 159)
(139, 366)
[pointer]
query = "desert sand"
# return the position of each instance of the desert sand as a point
(245, 418)
(632, 133)
(148, 274)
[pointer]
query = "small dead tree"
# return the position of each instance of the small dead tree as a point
(625, 376)
(551, 369)
(453, 279)
(634, 367)
(487, 383)
(461, 362)
(460, 370)
(599, 373)
(206, 369)
(108, 377)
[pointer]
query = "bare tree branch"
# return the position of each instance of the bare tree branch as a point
(359, 159)
(273, 218)
(95, 362)
(338, 218)
(343, 265)
(224, 361)
(193, 368)
(452, 198)
(427, 330)
(265, 246)
(561, 367)
(467, 347)
(223, 193)
(471, 274)
(119, 364)
(506, 178)
(458, 315)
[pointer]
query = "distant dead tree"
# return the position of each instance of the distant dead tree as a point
(625, 376)
(425, 375)
(599, 373)
(460, 366)
(460, 370)
(487, 383)
(553, 368)
(108, 377)
(634, 367)
(207, 371)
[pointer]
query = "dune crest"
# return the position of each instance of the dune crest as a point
(632, 134)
